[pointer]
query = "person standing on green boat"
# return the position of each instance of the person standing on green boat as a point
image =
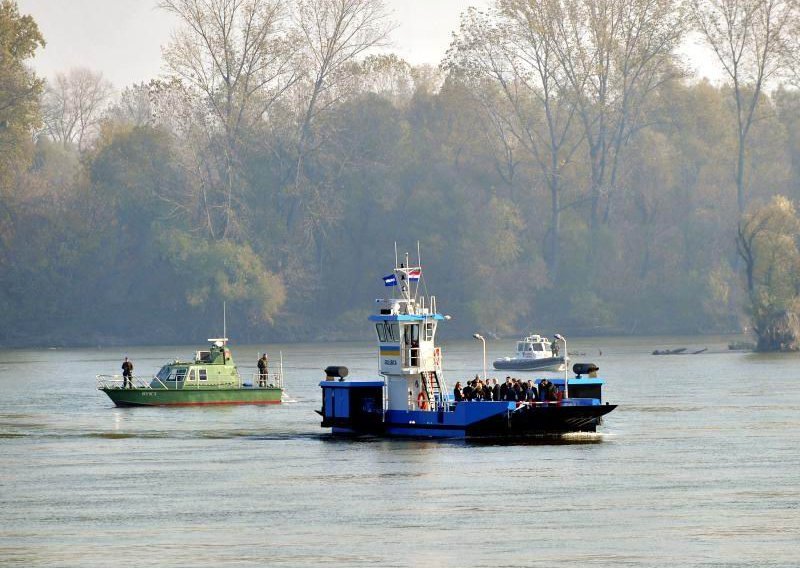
(127, 374)
(262, 370)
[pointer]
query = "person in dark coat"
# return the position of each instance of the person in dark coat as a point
(504, 389)
(511, 394)
(547, 390)
(496, 390)
(543, 389)
(263, 368)
(458, 396)
(127, 374)
(467, 392)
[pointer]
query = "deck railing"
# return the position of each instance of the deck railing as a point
(118, 381)
(270, 380)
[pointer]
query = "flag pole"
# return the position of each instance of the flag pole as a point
(419, 265)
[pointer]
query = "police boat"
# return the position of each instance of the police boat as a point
(534, 353)
(210, 377)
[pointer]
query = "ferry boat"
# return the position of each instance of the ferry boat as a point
(413, 400)
(210, 378)
(534, 353)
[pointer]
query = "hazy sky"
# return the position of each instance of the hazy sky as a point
(123, 38)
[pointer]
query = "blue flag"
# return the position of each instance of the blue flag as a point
(390, 280)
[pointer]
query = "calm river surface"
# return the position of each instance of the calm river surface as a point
(699, 466)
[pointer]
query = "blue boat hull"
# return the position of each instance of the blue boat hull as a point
(478, 420)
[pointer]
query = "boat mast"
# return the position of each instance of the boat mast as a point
(419, 265)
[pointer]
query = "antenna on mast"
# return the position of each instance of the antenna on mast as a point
(395, 254)
(224, 322)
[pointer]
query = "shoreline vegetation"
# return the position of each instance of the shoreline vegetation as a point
(553, 180)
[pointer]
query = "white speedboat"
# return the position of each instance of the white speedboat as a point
(534, 353)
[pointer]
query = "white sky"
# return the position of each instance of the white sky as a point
(123, 38)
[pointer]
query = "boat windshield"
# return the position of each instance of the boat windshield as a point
(163, 374)
(538, 347)
(387, 332)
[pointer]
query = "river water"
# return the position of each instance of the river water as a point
(699, 466)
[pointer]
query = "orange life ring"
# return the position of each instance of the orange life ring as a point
(422, 402)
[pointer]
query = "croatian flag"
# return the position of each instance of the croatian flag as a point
(414, 274)
(390, 280)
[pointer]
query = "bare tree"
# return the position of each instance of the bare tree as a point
(236, 58)
(750, 39)
(134, 105)
(387, 75)
(334, 35)
(614, 54)
(507, 47)
(73, 106)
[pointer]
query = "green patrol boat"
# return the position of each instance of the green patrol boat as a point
(211, 378)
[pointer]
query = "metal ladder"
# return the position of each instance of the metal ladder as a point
(434, 390)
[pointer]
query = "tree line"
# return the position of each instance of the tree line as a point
(561, 169)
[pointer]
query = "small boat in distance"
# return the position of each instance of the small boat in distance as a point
(210, 378)
(534, 353)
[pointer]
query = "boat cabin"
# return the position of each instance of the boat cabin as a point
(534, 347)
(213, 367)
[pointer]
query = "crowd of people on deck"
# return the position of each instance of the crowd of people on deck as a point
(515, 390)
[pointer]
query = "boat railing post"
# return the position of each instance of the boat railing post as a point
(482, 339)
(566, 369)
(280, 376)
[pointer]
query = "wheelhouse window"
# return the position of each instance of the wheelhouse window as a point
(203, 374)
(180, 374)
(192, 375)
(429, 328)
(538, 347)
(387, 331)
(163, 374)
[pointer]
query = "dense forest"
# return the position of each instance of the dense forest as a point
(561, 169)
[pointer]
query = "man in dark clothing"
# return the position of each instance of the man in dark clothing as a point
(504, 389)
(468, 391)
(127, 374)
(262, 370)
(547, 390)
(511, 393)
